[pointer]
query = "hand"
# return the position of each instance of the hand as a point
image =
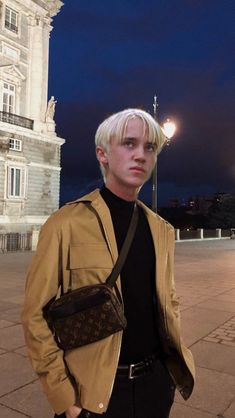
(73, 411)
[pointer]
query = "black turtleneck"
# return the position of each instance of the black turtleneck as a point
(137, 280)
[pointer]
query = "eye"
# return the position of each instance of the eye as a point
(150, 147)
(128, 143)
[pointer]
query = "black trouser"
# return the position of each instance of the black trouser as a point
(148, 396)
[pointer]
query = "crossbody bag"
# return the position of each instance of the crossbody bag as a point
(90, 313)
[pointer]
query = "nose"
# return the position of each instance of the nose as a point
(139, 154)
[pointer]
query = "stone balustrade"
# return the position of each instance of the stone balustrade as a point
(202, 234)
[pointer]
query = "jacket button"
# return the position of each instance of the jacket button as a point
(88, 414)
(101, 405)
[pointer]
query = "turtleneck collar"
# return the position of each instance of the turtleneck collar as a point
(113, 200)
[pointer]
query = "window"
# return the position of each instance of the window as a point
(10, 52)
(15, 175)
(16, 181)
(15, 144)
(11, 20)
(8, 98)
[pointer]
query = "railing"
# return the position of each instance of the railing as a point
(195, 234)
(10, 242)
(16, 120)
(15, 242)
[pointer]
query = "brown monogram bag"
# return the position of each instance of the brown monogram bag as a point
(90, 313)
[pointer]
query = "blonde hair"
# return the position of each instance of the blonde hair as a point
(115, 125)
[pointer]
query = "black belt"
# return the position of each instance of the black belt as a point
(132, 371)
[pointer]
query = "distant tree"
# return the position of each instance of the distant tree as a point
(181, 218)
(222, 214)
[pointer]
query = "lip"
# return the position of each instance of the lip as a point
(138, 169)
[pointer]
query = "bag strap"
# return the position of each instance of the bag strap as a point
(125, 248)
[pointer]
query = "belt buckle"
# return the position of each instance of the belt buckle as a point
(131, 371)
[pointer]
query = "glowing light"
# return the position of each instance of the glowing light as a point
(169, 128)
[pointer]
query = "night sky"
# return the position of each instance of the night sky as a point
(107, 55)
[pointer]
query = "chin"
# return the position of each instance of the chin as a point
(137, 185)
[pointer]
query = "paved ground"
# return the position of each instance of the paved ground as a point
(206, 289)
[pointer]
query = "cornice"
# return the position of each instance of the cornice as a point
(52, 6)
(7, 129)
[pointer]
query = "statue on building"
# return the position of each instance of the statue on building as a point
(50, 112)
(53, 7)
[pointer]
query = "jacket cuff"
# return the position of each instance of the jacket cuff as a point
(62, 397)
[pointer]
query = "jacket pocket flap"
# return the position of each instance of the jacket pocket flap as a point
(90, 255)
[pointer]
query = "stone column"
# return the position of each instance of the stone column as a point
(177, 234)
(200, 233)
(46, 38)
(35, 235)
(36, 67)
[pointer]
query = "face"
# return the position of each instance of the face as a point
(128, 164)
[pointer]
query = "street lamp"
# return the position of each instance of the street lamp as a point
(168, 129)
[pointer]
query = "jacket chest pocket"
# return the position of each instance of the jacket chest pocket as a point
(89, 263)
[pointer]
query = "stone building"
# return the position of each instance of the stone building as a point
(29, 146)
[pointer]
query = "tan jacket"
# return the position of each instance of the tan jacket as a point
(79, 238)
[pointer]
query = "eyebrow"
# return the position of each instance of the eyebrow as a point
(134, 139)
(129, 138)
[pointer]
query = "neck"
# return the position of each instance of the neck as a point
(126, 194)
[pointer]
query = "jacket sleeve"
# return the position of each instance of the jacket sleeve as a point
(41, 286)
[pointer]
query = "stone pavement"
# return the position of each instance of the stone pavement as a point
(206, 288)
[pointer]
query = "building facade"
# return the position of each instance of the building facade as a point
(29, 146)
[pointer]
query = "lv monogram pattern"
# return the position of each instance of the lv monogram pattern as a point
(85, 315)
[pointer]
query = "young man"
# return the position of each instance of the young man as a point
(130, 374)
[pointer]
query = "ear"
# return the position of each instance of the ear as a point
(101, 155)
